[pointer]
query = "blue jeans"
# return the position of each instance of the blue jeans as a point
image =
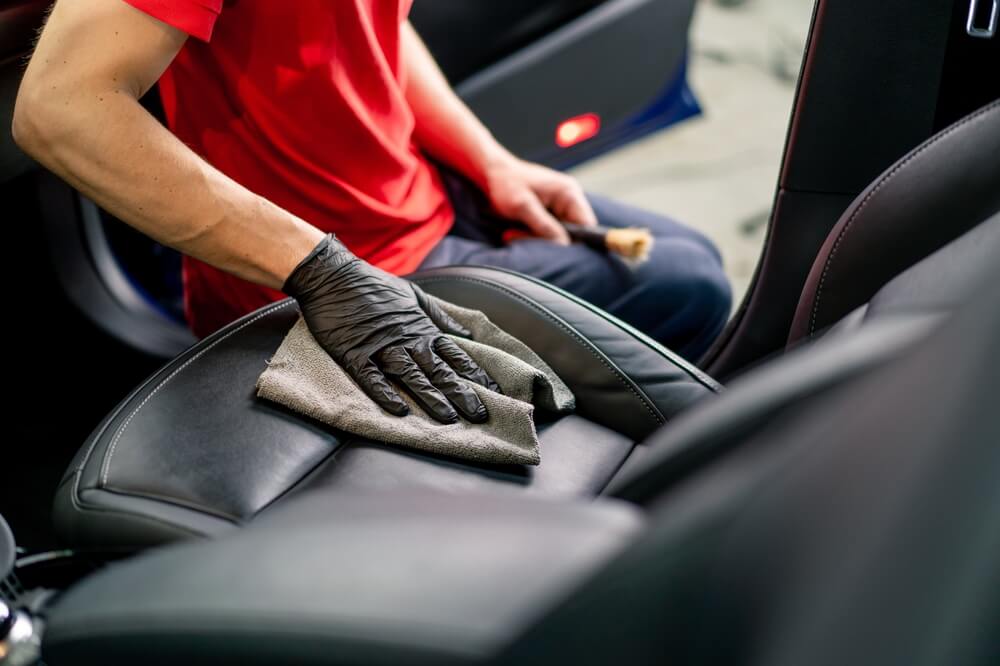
(680, 297)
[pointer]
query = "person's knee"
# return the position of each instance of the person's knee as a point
(702, 286)
(710, 294)
(715, 297)
(705, 243)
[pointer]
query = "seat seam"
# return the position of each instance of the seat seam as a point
(878, 187)
(644, 400)
(110, 419)
(666, 353)
(298, 483)
(80, 505)
(173, 501)
(106, 466)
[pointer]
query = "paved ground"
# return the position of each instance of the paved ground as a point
(718, 172)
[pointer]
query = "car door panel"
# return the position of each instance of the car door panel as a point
(623, 61)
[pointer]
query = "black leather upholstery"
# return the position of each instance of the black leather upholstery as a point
(859, 528)
(192, 451)
(938, 191)
(937, 284)
(622, 379)
(135, 484)
(855, 522)
(867, 509)
(898, 316)
(349, 578)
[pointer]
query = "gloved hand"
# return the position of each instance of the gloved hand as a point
(376, 325)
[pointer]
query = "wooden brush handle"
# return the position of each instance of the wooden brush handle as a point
(595, 237)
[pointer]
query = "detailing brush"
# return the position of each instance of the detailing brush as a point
(632, 243)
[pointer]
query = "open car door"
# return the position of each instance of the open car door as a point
(561, 81)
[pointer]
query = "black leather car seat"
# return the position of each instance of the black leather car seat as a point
(935, 193)
(191, 452)
(902, 313)
(861, 527)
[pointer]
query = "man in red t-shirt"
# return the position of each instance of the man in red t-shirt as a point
(298, 162)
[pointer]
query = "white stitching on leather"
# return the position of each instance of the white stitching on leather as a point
(106, 466)
(693, 371)
(105, 469)
(643, 400)
(884, 181)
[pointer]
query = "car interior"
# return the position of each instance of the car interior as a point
(819, 488)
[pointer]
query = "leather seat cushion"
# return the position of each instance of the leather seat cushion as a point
(192, 451)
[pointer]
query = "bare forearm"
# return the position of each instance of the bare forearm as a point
(78, 114)
(119, 156)
(445, 127)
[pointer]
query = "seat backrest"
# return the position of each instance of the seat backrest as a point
(862, 527)
(899, 315)
(934, 194)
(879, 540)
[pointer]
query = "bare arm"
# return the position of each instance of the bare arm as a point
(78, 114)
(448, 130)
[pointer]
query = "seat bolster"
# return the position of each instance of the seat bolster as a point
(99, 519)
(751, 402)
(193, 451)
(901, 313)
(622, 379)
(934, 194)
(937, 284)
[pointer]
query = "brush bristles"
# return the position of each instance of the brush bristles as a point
(631, 243)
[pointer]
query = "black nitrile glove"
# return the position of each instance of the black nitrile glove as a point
(376, 325)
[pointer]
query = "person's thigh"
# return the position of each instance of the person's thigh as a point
(680, 296)
(578, 269)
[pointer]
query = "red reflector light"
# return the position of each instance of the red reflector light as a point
(573, 131)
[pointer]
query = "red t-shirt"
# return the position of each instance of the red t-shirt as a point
(302, 102)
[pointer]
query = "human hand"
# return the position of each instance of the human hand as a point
(539, 197)
(379, 326)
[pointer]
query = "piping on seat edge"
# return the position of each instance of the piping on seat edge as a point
(596, 352)
(683, 364)
(882, 182)
(106, 465)
(85, 507)
(627, 382)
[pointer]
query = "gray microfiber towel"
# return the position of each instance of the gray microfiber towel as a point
(302, 377)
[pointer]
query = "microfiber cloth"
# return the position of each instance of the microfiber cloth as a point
(303, 377)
